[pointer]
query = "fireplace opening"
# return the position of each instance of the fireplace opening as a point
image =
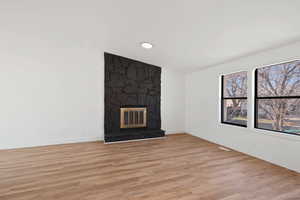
(132, 117)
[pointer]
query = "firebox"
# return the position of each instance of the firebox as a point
(133, 117)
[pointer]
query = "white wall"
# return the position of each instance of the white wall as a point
(203, 107)
(50, 96)
(173, 101)
(54, 95)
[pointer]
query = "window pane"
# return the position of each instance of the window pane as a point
(235, 85)
(235, 111)
(279, 114)
(279, 80)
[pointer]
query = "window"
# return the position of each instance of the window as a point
(277, 97)
(234, 99)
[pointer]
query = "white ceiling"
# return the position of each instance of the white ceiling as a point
(186, 34)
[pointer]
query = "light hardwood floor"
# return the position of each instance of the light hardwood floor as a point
(179, 167)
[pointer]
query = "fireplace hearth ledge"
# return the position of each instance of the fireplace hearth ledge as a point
(135, 140)
(134, 134)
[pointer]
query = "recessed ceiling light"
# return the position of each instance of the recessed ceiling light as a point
(146, 45)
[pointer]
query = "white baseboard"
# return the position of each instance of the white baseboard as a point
(26, 144)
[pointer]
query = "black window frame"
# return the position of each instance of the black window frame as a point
(228, 98)
(257, 98)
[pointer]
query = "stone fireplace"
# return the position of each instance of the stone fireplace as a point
(132, 99)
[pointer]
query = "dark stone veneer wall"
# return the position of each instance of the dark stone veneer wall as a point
(130, 83)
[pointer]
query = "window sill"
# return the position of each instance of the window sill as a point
(278, 134)
(233, 124)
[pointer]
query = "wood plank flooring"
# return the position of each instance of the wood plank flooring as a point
(179, 167)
